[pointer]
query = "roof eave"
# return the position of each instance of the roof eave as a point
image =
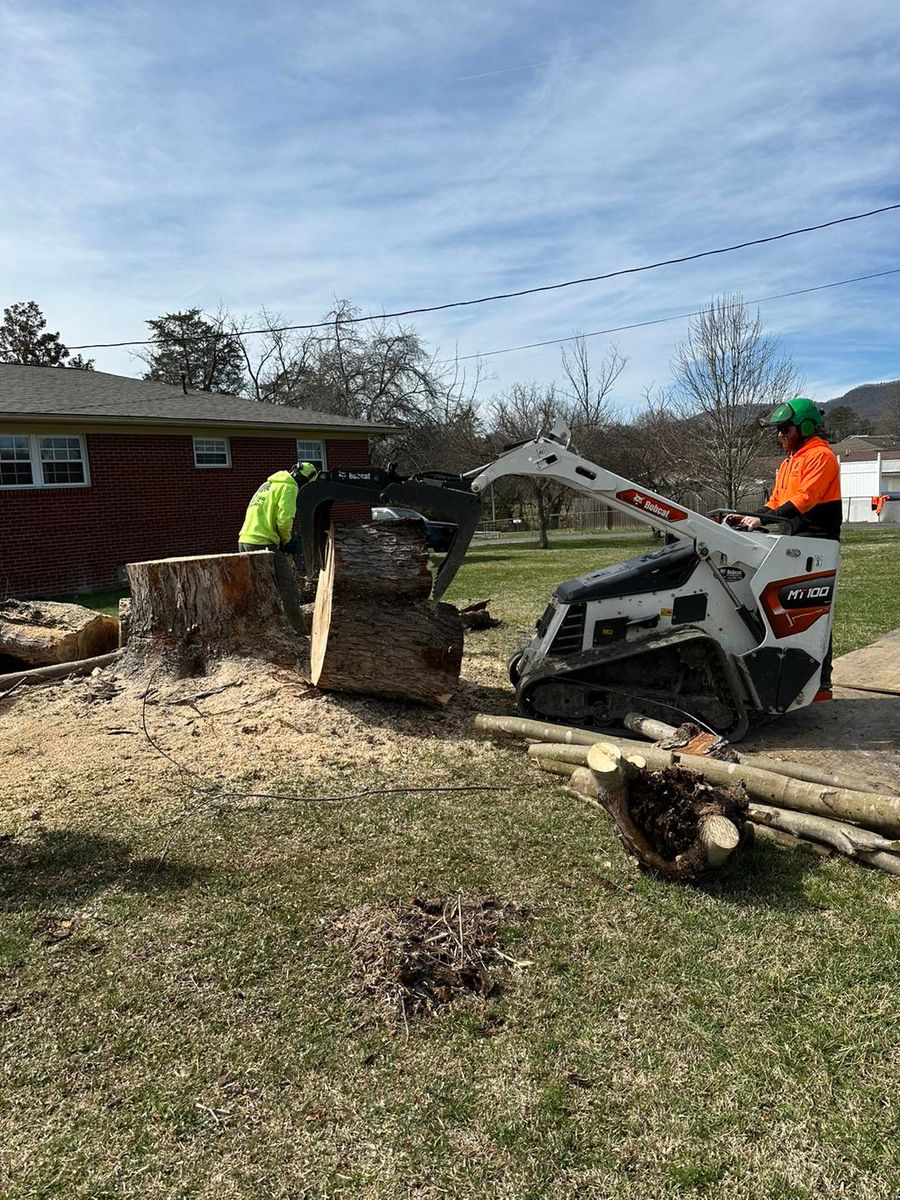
(364, 430)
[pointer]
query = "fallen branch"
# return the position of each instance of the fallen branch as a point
(57, 671)
(849, 839)
(787, 841)
(659, 731)
(523, 727)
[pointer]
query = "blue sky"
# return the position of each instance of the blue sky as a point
(159, 155)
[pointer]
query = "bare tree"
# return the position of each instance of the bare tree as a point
(589, 411)
(889, 421)
(728, 372)
(371, 371)
(516, 415)
(656, 448)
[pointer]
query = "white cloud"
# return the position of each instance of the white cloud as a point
(402, 154)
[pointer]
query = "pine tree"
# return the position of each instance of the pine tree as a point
(190, 350)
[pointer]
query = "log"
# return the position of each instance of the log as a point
(380, 558)
(659, 731)
(719, 838)
(524, 727)
(583, 781)
(46, 631)
(801, 831)
(787, 841)
(380, 636)
(848, 839)
(187, 612)
(871, 809)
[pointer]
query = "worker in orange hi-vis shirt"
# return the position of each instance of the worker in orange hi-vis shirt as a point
(807, 492)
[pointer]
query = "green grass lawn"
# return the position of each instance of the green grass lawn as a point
(194, 1036)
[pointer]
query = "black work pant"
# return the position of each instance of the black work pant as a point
(825, 681)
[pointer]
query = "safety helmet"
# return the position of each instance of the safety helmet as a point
(800, 412)
(304, 471)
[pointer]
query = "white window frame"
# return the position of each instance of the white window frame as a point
(226, 442)
(37, 466)
(304, 456)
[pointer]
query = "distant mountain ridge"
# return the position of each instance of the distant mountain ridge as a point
(869, 399)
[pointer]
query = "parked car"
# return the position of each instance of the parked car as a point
(439, 535)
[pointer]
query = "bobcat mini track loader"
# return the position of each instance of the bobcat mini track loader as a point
(717, 627)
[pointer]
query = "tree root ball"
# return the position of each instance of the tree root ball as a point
(667, 808)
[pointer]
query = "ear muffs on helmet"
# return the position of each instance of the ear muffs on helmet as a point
(801, 412)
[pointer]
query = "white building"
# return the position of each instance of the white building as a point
(870, 466)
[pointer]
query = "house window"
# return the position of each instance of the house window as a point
(312, 452)
(38, 460)
(62, 460)
(211, 452)
(15, 461)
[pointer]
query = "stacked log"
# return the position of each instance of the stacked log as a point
(862, 824)
(375, 631)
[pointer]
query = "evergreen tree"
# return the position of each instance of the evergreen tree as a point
(24, 339)
(191, 350)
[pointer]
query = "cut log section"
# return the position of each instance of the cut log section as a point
(374, 631)
(42, 632)
(380, 558)
(192, 610)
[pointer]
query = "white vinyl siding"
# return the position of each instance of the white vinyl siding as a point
(312, 452)
(42, 460)
(211, 452)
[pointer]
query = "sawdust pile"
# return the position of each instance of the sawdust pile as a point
(667, 807)
(411, 959)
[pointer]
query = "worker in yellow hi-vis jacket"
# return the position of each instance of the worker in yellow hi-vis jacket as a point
(269, 525)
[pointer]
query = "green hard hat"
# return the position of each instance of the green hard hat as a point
(304, 470)
(800, 412)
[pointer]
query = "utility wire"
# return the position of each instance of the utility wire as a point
(547, 287)
(574, 337)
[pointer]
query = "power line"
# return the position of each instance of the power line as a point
(547, 287)
(574, 337)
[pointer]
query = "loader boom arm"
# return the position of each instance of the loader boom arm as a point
(548, 457)
(456, 499)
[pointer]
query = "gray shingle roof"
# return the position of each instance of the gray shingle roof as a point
(70, 395)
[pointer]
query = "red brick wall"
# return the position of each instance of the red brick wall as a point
(146, 500)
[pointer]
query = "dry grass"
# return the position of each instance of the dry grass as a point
(185, 1028)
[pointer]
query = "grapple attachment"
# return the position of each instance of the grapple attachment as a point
(435, 495)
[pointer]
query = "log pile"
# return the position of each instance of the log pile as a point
(840, 815)
(374, 630)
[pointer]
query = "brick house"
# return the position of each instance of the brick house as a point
(98, 470)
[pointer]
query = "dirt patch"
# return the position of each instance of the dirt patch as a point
(411, 959)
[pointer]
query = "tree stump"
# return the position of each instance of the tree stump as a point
(38, 632)
(189, 611)
(672, 821)
(375, 631)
